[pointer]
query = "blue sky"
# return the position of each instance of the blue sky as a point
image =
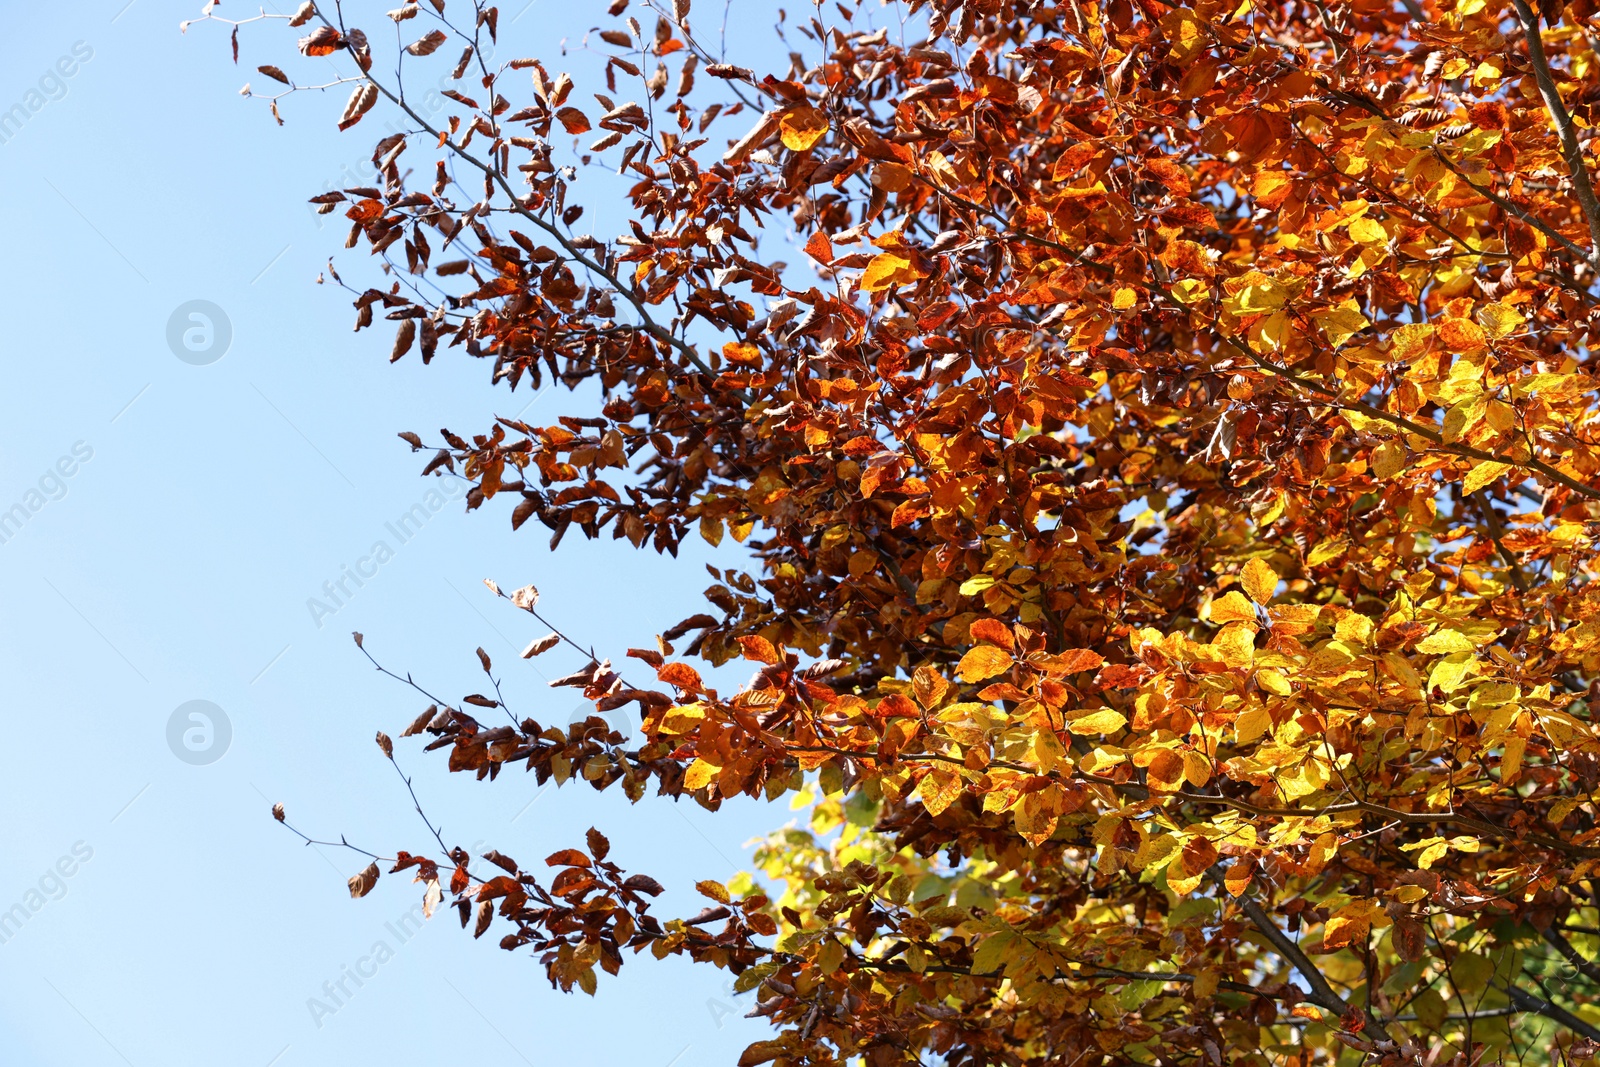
(178, 518)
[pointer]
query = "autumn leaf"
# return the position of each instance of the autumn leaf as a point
(322, 41)
(802, 127)
(428, 43)
(1259, 580)
(890, 269)
(1098, 722)
(1169, 479)
(573, 120)
(938, 790)
(982, 662)
(819, 248)
(361, 884)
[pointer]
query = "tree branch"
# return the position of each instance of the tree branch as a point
(1570, 148)
(1322, 994)
(1588, 967)
(1555, 1012)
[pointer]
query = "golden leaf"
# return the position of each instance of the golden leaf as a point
(982, 662)
(1232, 606)
(802, 127)
(1481, 475)
(1259, 580)
(1105, 721)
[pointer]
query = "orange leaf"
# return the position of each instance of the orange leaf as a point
(819, 248)
(994, 631)
(681, 675)
(761, 650)
(982, 662)
(1080, 659)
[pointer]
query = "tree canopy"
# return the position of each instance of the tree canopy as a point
(1164, 444)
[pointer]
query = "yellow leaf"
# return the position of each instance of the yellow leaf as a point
(1197, 769)
(1322, 850)
(700, 774)
(1481, 475)
(1252, 724)
(1432, 849)
(1273, 682)
(1445, 642)
(1342, 322)
(714, 890)
(982, 662)
(1353, 629)
(1499, 319)
(1368, 231)
(1327, 551)
(802, 127)
(1232, 607)
(1124, 298)
(1185, 33)
(1259, 580)
(1189, 291)
(1236, 645)
(682, 719)
(938, 789)
(889, 269)
(1388, 459)
(1511, 759)
(1409, 342)
(1448, 673)
(1104, 721)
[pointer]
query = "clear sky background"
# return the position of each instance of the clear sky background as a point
(174, 564)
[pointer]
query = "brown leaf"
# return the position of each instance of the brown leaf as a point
(567, 857)
(573, 120)
(485, 917)
(361, 102)
(501, 860)
(322, 41)
(541, 645)
(361, 884)
(428, 43)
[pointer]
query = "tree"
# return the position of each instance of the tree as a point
(1168, 472)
